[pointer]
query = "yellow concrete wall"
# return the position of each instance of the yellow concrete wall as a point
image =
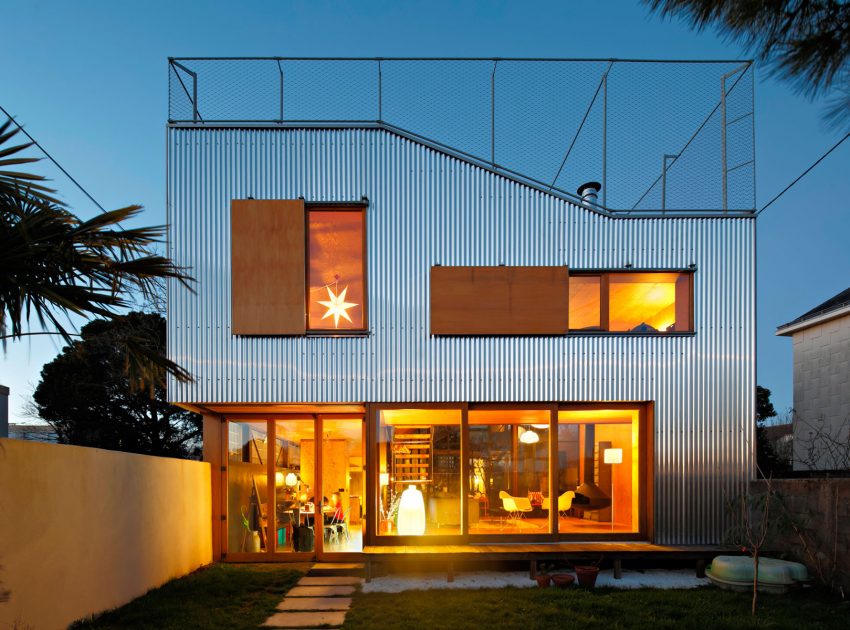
(84, 530)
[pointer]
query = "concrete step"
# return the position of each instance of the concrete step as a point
(305, 619)
(315, 603)
(343, 590)
(330, 580)
(338, 569)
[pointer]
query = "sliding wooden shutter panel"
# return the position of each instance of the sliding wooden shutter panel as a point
(499, 300)
(267, 267)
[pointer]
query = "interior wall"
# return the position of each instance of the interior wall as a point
(84, 530)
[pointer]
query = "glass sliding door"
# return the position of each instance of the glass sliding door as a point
(343, 483)
(296, 503)
(270, 479)
(598, 471)
(509, 471)
(247, 487)
(419, 483)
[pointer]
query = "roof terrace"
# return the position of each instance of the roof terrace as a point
(661, 137)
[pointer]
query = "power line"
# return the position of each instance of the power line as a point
(804, 173)
(52, 159)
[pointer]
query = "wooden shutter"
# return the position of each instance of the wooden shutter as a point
(267, 267)
(499, 300)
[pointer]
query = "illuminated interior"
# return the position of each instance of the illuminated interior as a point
(343, 482)
(419, 472)
(643, 302)
(509, 471)
(418, 484)
(302, 512)
(606, 494)
(247, 487)
(647, 302)
(335, 276)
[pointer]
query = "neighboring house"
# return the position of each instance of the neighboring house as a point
(393, 342)
(821, 339)
(33, 432)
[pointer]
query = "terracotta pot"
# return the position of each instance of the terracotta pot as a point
(542, 580)
(563, 580)
(587, 576)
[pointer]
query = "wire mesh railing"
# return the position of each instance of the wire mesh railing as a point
(660, 136)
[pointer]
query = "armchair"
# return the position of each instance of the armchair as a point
(516, 507)
(565, 502)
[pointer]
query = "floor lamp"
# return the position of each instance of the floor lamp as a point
(612, 456)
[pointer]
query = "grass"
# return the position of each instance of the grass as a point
(221, 596)
(527, 609)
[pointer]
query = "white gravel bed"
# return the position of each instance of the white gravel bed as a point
(653, 578)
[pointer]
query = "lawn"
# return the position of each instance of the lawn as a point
(526, 609)
(221, 596)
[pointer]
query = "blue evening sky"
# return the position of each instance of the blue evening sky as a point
(89, 80)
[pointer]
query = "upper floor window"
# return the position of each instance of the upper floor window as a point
(336, 268)
(585, 302)
(645, 302)
(297, 267)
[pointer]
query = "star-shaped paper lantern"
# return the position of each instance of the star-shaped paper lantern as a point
(337, 306)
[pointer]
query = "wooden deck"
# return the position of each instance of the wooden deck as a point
(535, 552)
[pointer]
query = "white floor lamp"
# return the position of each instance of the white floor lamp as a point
(612, 456)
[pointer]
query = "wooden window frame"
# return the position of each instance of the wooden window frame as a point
(221, 424)
(605, 302)
(645, 530)
(361, 207)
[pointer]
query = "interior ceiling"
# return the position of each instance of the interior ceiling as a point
(400, 417)
(598, 416)
(351, 428)
(509, 416)
(226, 409)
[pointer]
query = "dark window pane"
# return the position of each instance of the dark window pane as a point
(584, 302)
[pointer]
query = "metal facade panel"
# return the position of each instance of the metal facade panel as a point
(427, 208)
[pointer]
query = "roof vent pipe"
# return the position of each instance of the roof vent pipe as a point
(589, 192)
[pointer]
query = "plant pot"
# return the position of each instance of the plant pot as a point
(563, 580)
(587, 576)
(543, 580)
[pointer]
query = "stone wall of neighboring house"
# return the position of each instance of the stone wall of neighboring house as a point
(821, 392)
(820, 509)
(84, 530)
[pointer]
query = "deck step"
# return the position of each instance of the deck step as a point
(336, 569)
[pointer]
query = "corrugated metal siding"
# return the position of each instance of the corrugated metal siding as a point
(427, 208)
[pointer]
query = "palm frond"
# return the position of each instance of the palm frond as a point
(18, 183)
(806, 42)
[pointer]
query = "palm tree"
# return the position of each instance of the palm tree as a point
(54, 264)
(804, 41)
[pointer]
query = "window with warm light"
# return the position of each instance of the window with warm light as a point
(336, 269)
(509, 471)
(638, 302)
(599, 471)
(649, 302)
(419, 472)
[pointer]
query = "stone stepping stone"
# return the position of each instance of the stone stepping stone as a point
(320, 591)
(305, 619)
(315, 603)
(330, 580)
